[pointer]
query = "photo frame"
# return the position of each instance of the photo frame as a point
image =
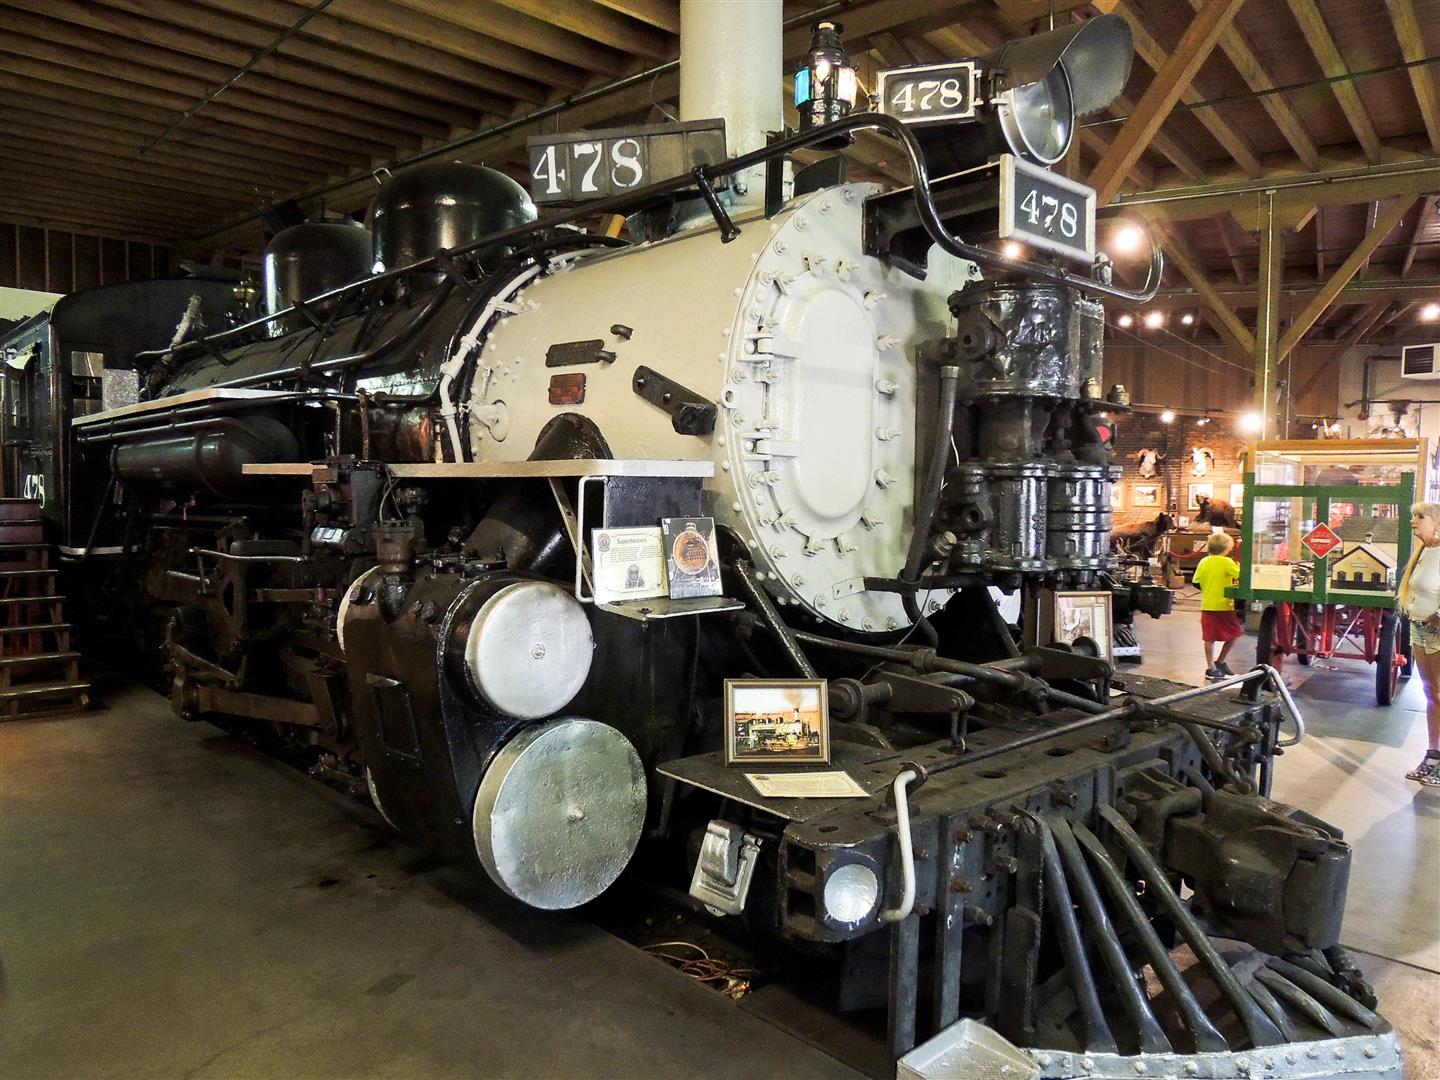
(1197, 491)
(777, 722)
(1237, 495)
(1117, 496)
(1144, 495)
(1083, 614)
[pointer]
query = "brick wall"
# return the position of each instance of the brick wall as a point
(1175, 475)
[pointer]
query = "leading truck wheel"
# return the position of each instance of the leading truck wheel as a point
(1387, 671)
(1265, 639)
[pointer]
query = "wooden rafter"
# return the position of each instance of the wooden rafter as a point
(1165, 90)
(1347, 270)
(600, 24)
(661, 14)
(1427, 211)
(1178, 155)
(1422, 79)
(1312, 25)
(1226, 321)
(1319, 243)
(1349, 338)
(1258, 79)
(1232, 248)
(1154, 55)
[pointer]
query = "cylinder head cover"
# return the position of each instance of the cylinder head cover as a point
(528, 649)
(426, 208)
(559, 812)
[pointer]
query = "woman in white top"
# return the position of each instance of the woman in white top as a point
(1419, 598)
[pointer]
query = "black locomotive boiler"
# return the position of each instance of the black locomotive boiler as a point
(360, 523)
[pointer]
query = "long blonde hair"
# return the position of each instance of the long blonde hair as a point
(1419, 509)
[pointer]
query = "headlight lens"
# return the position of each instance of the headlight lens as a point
(1039, 118)
(851, 893)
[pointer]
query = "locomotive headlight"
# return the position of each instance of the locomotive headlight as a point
(1038, 119)
(852, 892)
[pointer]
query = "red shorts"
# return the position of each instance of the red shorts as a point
(1220, 626)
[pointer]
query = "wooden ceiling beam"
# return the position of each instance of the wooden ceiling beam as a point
(170, 88)
(375, 68)
(1349, 338)
(661, 14)
(195, 76)
(1170, 82)
(83, 126)
(1347, 270)
(112, 226)
(179, 38)
(1148, 48)
(1294, 194)
(1317, 34)
(516, 30)
(75, 188)
(1227, 238)
(1422, 79)
(1259, 80)
(1242, 298)
(601, 24)
(20, 74)
(502, 83)
(1427, 211)
(1178, 155)
(1226, 321)
(163, 106)
(174, 181)
(1319, 243)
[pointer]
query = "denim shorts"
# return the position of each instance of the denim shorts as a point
(1425, 638)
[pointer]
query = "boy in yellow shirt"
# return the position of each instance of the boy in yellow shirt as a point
(1218, 622)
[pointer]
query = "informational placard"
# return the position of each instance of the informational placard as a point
(583, 165)
(629, 564)
(807, 785)
(1046, 211)
(930, 93)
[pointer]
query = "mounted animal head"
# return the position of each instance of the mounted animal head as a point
(1201, 459)
(1149, 458)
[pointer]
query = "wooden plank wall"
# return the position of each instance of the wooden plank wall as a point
(1212, 376)
(53, 260)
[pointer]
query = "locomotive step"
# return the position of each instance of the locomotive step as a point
(32, 690)
(31, 599)
(34, 572)
(38, 628)
(25, 545)
(15, 663)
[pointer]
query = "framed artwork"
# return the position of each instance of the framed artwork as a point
(1199, 491)
(1083, 614)
(1117, 496)
(1237, 495)
(1143, 495)
(777, 722)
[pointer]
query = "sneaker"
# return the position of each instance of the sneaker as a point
(1224, 669)
(1213, 675)
(1427, 772)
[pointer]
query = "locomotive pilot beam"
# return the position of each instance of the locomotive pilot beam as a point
(360, 523)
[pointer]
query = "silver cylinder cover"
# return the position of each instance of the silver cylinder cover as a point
(529, 649)
(559, 812)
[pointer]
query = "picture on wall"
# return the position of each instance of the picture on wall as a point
(1117, 496)
(1143, 495)
(1083, 614)
(1237, 495)
(1200, 491)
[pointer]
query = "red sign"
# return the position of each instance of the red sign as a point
(1321, 540)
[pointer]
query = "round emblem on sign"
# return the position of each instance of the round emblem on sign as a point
(690, 552)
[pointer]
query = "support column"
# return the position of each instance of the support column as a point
(731, 60)
(1267, 321)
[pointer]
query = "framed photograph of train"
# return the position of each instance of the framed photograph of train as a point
(776, 722)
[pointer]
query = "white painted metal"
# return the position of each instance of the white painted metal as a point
(808, 346)
(529, 649)
(730, 67)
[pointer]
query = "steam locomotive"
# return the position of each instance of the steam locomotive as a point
(361, 522)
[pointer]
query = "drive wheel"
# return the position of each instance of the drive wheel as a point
(1387, 671)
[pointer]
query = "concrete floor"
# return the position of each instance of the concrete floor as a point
(173, 903)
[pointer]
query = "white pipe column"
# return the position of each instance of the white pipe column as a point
(731, 67)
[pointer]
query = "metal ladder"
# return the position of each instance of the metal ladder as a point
(39, 669)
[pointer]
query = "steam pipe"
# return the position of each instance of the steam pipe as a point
(907, 849)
